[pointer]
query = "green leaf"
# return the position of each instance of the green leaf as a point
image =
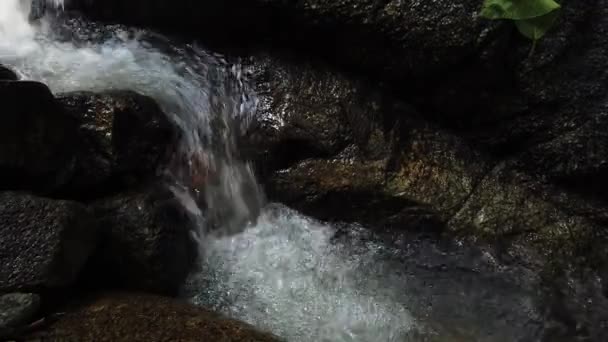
(517, 9)
(535, 28)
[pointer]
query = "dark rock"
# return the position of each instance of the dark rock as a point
(552, 102)
(17, 310)
(139, 317)
(37, 139)
(387, 39)
(7, 74)
(45, 242)
(325, 143)
(124, 140)
(146, 243)
(302, 112)
(397, 167)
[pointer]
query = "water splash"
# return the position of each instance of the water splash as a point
(286, 274)
(202, 94)
(16, 34)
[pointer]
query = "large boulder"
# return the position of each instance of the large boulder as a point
(145, 243)
(547, 109)
(45, 242)
(139, 317)
(37, 139)
(124, 140)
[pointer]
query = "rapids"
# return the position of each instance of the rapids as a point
(301, 279)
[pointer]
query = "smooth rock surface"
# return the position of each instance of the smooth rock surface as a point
(140, 317)
(45, 242)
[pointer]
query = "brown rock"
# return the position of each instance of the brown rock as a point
(138, 317)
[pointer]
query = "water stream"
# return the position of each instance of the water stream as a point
(284, 272)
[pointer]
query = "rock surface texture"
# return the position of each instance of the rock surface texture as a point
(413, 115)
(124, 140)
(45, 243)
(17, 310)
(145, 243)
(138, 317)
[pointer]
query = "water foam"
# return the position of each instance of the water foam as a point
(192, 86)
(286, 274)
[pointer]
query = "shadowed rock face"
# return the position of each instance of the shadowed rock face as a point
(37, 141)
(145, 243)
(16, 310)
(7, 74)
(45, 243)
(124, 141)
(139, 317)
(391, 39)
(80, 145)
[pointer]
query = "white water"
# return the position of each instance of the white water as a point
(286, 273)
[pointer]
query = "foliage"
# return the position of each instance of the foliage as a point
(533, 18)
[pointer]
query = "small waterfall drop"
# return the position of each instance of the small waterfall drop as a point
(283, 272)
(205, 96)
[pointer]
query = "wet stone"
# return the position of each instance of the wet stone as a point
(17, 309)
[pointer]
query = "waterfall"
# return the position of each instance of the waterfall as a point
(283, 272)
(194, 88)
(207, 98)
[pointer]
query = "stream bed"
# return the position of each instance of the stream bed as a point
(302, 279)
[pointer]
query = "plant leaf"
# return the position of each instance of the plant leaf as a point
(517, 9)
(535, 28)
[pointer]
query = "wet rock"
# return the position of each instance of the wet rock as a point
(302, 112)
(398, 167)
(16, 310)
(145, 243)
(45, 242)
(553, 101)
(139, 317)
(386, 39)
(7, 74)
(334, 149)
(575, 160)
(124, 138)
(37, 139)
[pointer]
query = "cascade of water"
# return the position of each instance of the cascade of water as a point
(16, 34)
(283, 272)
(196, 89)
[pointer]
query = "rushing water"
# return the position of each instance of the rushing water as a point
(284, 272)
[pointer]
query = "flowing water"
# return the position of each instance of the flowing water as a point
(284, 272)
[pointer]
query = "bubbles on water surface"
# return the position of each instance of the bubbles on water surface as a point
(287, 274)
